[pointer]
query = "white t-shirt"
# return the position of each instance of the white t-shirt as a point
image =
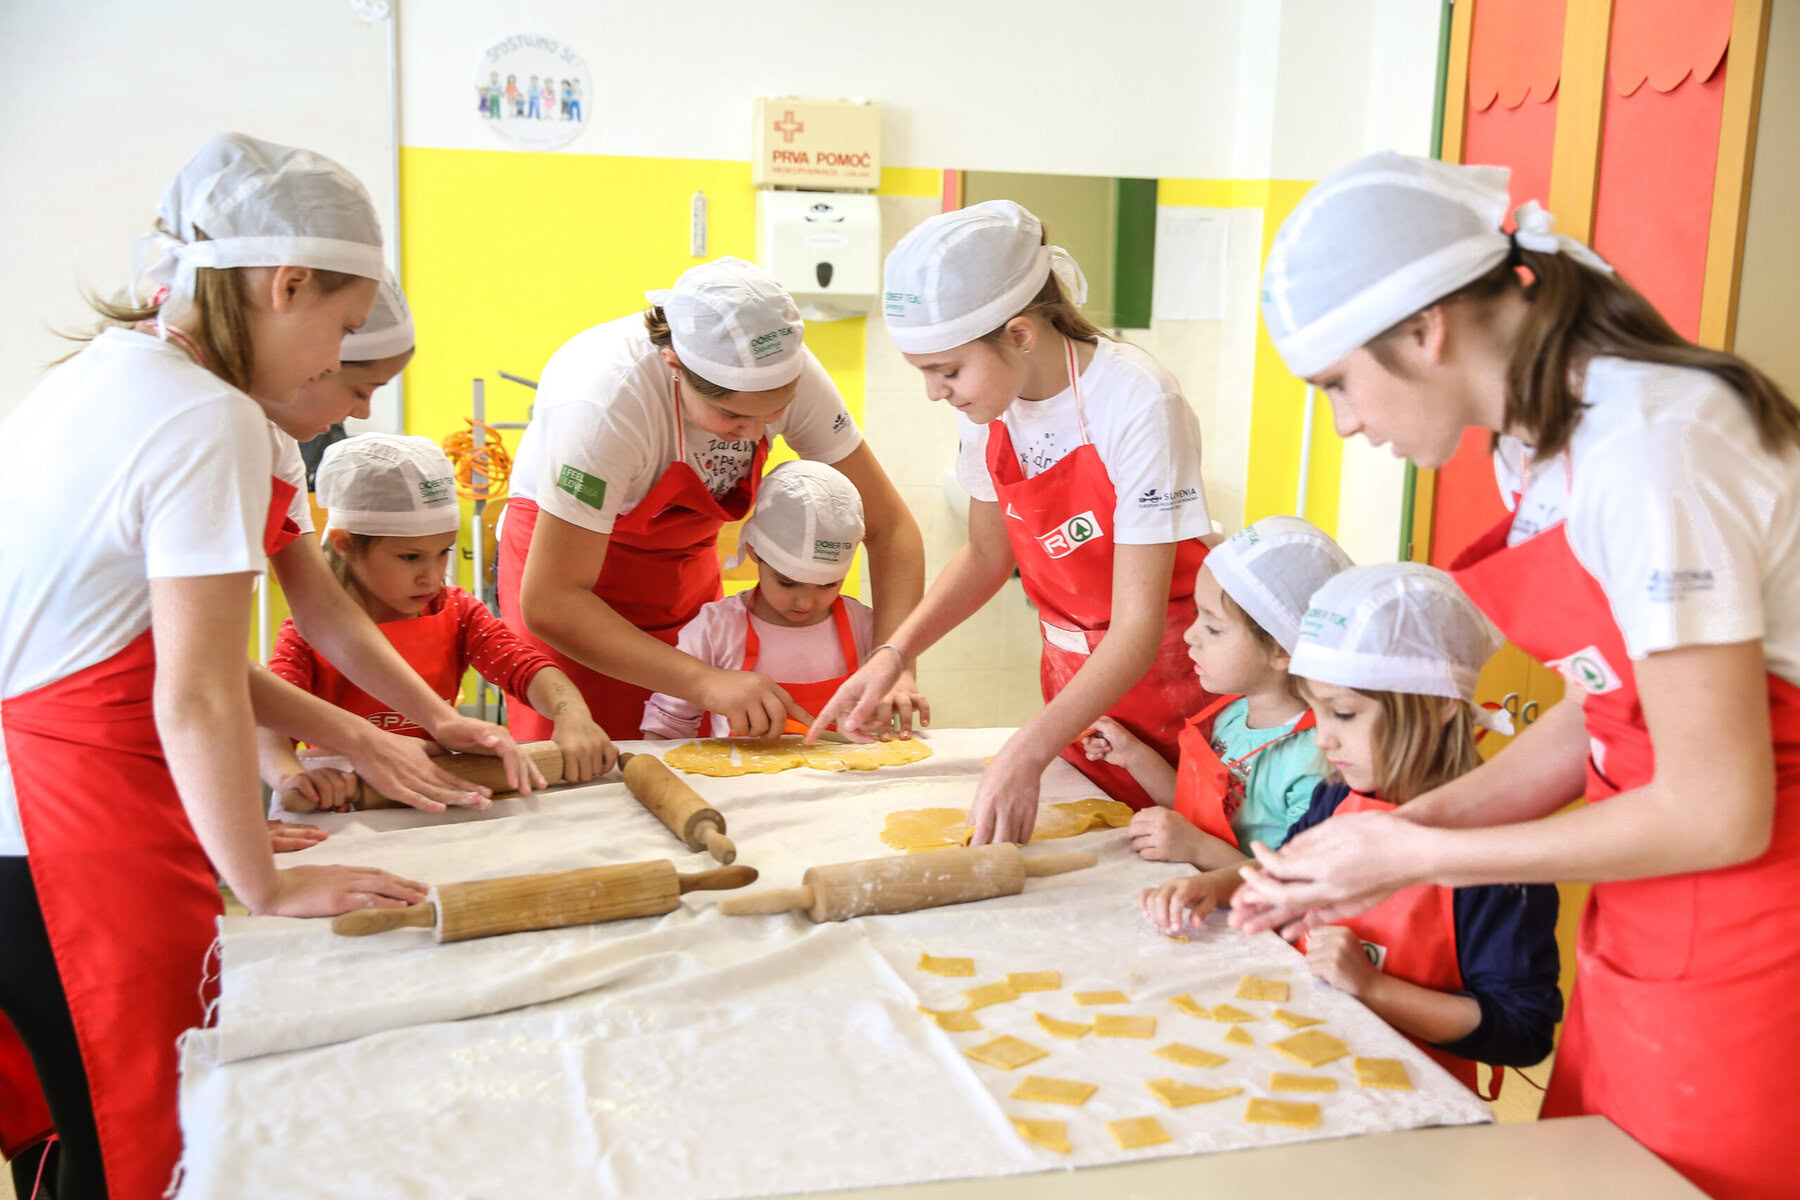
(603, 428)
(788, 655)
(289, 466)
(1672, 504)
(1143, 429)
(132, 464)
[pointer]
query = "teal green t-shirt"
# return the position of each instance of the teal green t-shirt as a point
(1274, 788)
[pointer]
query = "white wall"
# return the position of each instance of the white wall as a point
(112, 95)
(1062, 86)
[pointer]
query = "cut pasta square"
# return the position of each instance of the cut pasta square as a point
(1137, 1131)
(1250, 987)
(1008, 1053)
(1117, 1025)
(1176, 1094)
(1315, 1047)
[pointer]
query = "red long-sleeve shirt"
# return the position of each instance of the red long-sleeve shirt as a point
(454, 633)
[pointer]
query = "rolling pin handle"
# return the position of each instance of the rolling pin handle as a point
(775, 900)
(719, 879)
(717, 844)
(625, 756)
(365, 921)
(1056, 864)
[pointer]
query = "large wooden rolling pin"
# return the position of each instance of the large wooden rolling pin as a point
(905, 882)
(680, 807)
(516, 903)
(484, 770)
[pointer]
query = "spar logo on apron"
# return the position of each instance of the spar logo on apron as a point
(1071, 535)
(1375, 953)
(1588, 670)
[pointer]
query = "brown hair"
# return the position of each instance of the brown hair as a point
(1052, 305)
(1415, 750)
(221, 321)
(1578, 313)
(656, 325)
(1264, 639)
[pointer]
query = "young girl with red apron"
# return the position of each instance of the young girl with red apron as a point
(804, 535)
(1416, 246)
(662, 567)
(1209, 790)
(729, 341)
(1658, 960)
(1069, 578)
(172, 483)
(1405, 628)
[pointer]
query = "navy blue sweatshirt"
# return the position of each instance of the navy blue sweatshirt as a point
(1506, 951)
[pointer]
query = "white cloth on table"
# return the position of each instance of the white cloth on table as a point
(700, 1055)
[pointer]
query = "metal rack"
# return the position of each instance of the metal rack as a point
(487, 590)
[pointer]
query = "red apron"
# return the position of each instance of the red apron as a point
(1687, 987)
(1412, 936)
(1057, 523)
(431, 644)
(810, 696)
(1207, 790)
(662, 567)
(133, 986)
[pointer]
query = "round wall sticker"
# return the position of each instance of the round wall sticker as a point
(532, 91)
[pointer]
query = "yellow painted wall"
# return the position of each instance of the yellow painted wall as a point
(507, 255)
(1279, 405)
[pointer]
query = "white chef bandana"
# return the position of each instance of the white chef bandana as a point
(732, 325)
(961, 275)
(1383, 238)
(387, 332)
(1398, 627)
(388, 485)
(807, 522)
(1272, 568)
(259, 205)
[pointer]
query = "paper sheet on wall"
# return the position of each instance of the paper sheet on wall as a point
(1189, 279)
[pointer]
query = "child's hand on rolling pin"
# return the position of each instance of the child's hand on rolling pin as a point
(1335, 955)
(587, 751)
(1111, 742)
(284, 837)
(1163, 835)
(1179, 904)
(328, 891)
(329, 789)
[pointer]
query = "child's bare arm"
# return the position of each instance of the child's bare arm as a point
(1335, 954)
(1112, 742)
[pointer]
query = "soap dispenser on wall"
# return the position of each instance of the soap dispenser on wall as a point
(824, 248)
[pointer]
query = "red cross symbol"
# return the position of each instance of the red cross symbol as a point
(787, 127)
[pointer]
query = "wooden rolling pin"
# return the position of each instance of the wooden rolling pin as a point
(905, 882)
(680, 807)
(485, 907)
(482, 769)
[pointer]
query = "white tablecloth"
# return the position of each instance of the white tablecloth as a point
(694, 1055)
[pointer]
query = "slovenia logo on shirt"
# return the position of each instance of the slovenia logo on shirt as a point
(1071, 535)
(1157, 500)
(1588, 670)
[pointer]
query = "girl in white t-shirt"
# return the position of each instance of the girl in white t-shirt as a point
(1653, 558)
(1083, 463)
(127, 762)
(648, 434)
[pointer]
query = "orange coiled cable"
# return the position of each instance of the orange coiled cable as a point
(490, 458)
